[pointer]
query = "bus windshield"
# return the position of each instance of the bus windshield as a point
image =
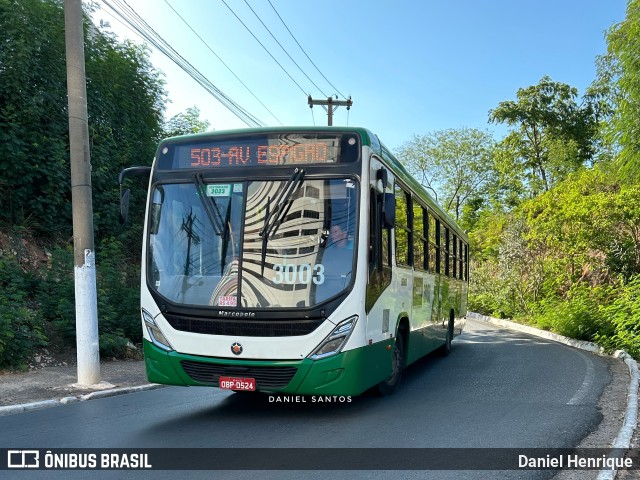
(232, 245)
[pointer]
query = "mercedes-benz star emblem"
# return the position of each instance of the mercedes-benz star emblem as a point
(236, 348)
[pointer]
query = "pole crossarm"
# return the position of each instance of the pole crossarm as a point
(330, 105)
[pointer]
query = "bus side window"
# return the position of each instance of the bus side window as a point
(449, 248)
(439, 268)
(466, 262)
(431, 233)
(419, 237)
(402, 230)
(460, 261)
(379, 238)
(454, 256)
(444, 250)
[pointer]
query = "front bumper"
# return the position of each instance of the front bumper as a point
(347, 373)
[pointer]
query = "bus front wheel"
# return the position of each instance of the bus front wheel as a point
(388, 386)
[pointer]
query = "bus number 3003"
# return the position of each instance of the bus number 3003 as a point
(305, 273)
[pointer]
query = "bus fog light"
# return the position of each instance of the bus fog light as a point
(156, 335)
(336, 340)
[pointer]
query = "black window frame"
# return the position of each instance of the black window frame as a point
(398, 188)
(420, 237)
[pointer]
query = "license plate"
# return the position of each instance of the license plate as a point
(235, 383)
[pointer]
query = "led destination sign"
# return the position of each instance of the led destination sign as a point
(262, 150)
(264, 155)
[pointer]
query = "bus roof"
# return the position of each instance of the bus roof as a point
(365, 134)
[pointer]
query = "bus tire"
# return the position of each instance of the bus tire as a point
(388, 386)
(445, 349)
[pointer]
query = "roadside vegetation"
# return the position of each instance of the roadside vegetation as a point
(126, 103)
(552, 209)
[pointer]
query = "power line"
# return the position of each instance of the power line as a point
(283, 49)
(303, 51)
(124, 11)
(265, 48)
(121, 22)
(222, 61)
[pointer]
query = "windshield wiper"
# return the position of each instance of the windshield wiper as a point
(272, 221)
(225, 237)
(264, 236)
(210, 205)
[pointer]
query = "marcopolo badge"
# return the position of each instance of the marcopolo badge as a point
(236, 348)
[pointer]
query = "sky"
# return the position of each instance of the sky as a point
(411, 67)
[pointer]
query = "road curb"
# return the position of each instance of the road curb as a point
(28, 407)
(623, 439)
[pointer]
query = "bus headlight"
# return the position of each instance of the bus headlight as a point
(335, 340)
(157, 337)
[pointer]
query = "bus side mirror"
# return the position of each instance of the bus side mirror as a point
(125, 196)
(382, 177)
(389, 211)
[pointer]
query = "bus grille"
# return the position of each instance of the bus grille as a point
(265, 377)
(245, 328)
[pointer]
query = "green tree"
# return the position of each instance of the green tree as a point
(508, 188)
(619, 78)
(125, 106)
(592, 223)
(603, 93)
(455, 164)
(554, 134)
(33, 115)
(623, 320)
(185, 123)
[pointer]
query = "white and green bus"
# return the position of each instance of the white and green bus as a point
(300, 260)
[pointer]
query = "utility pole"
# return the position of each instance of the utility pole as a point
(83, 249)
(330, 105)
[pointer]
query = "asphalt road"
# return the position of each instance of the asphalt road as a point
(498, 389)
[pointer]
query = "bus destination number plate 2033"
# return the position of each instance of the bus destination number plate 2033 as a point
(235, 383)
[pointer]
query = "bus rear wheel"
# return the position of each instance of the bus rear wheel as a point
(388, 386)
(445, 349)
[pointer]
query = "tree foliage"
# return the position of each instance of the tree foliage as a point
(125, 105)
(185, 123)
(126, 99)
(619, 79)
(622, 317)
(454, 164)
(566, 254)
(592, 221)
(22, 331)
(33, 115)
(553, 134)
(563, 258)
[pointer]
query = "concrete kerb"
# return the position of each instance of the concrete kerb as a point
(623, 440)
(28, 407)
